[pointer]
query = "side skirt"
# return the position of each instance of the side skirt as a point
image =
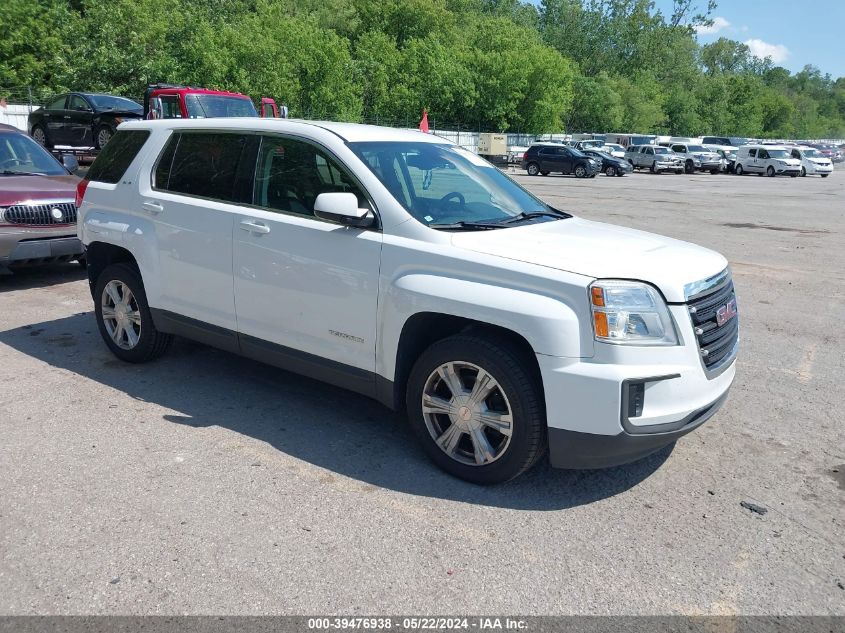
(332, 372)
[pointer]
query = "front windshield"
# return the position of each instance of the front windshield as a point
(811, 153)
(108, 102)
(19, 154)
(778, 153)
(601, 155)
(201, 106)
(738, 141)
(661, 150)
(698, 148)
(446, 184)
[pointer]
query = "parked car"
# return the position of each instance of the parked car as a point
(545, 158)
(733, 141)
(655, 158)
(831, 152)
(610, 165)
(168, 101)
(591, 143)
(614, 149)
(81, 119)
(698, 158)
(812, 161)
(398, 265)
(766, 159)
(37, 210)
(727, 154)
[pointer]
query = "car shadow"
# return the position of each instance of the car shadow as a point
(334, 429)
(27, 277)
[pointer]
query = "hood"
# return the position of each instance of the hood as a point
(124, 114)
(602, 251)
(17, 189)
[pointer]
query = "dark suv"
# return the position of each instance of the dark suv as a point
(546, 158)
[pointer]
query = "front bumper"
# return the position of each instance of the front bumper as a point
(712, 166)
(19, 249)
(591, 423)
(819, 169)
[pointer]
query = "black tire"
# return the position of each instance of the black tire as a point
(770, 171)
(102, 135)
(544, 173)
(803, 171)
(151, 343)
(653, 168)
(793, 175)
(689, 167)
(511, 369)
(715, 172)
(40, 136)
(824, 175)
(631, 163)
(738, 170)
(610, 171)
(580, 171)
(533, 169)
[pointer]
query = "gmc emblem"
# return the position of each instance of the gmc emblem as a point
(726, 312)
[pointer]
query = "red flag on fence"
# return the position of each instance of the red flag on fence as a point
(424, 122)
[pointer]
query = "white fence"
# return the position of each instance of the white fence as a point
(15, 115)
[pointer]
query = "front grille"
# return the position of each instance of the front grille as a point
(715, 342)
(41, 214)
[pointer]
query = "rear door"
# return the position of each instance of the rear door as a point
(548, 159)
(192, 202)
(306, 290)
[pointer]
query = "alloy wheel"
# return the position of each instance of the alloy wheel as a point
(121, 315)
(467, 413)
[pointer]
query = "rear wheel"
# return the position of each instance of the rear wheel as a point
(124, 318)
(477, 408)
(40, 137)
(770, 171)
(533, 169)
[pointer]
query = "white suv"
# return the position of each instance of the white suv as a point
(403, 267)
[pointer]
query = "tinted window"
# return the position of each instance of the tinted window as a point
(202, 106)
(752, 153)
(57, 103)
(170, 108)
(205, 164)
(116, 157)
(762, 154)
(108, 102)
(78, 103)
(291, 174)
(165, 161)
(679, 148)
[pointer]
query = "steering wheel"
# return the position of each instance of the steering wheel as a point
(10, 162)
(454, 194)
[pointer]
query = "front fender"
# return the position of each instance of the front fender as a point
(548, 324)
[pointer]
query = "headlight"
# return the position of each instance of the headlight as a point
(630, 312)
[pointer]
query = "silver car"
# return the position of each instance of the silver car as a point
(655, 158)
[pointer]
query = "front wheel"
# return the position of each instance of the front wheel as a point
(803, 172)
(770, 172)
(714, 172)
(477, 408)
(580, 171)
(544, 173)
(824, 175)
(124, 318)
(738, 170)
(689, 167)
(610, 171)
(533, 169)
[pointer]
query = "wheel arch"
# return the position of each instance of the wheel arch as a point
(100, 255)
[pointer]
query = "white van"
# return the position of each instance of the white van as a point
(812, 161)
(766, 159)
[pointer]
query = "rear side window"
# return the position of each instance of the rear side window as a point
(115, 158)
(752, 153)
(203, 164)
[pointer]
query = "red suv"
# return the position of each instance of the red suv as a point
(164, 101)
(37, 203)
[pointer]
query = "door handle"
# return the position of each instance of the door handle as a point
(153, 208)
(254, 227)
(67, 117)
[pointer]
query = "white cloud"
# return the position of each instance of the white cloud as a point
(719, 23)
(778, 52)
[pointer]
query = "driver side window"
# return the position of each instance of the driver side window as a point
(78, 104)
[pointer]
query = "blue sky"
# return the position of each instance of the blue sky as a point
(793, 32)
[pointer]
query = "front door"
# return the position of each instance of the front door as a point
(55, 119)
(79, 122)
(306, 290)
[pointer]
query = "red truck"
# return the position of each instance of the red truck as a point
(165, 101)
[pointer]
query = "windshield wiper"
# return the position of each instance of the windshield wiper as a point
(559, 215)
(9, 172)
(467, 226)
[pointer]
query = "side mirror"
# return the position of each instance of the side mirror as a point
(70, 163)
(342, 208)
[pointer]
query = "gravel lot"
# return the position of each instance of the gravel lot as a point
(209, 484)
